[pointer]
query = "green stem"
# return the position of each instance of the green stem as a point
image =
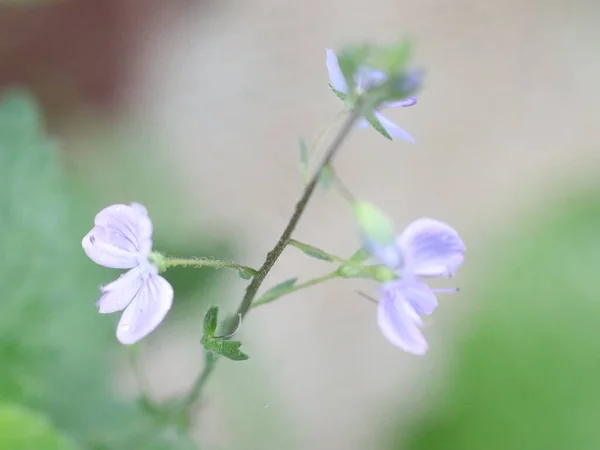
(209, 262)
(209, 364)
(269, 298)
(273, 255)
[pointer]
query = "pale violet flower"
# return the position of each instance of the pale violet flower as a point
(426, 248)
(365, 79)
(122, 239)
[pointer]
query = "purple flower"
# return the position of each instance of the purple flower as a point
(122, 239)
(426, 248)
(365, 79)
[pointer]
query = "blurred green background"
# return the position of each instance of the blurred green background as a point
(193, 109)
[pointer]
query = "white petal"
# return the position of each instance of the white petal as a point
(393, 130)
(146, 311)
(122, 235)
(118, 294)
(400, 324)
(336, 77)
(431, 248)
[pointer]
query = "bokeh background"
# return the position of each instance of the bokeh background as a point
(193, 108)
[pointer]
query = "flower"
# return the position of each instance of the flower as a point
(426, 248)
(122, 239)
(365, 79)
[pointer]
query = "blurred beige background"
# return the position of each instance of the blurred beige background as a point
(509, 110)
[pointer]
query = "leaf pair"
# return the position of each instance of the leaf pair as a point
(219, 345)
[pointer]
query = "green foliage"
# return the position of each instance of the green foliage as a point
(21, 429)
(226, 348)
(327, 176)
(55, 349)
(527, 372)
(219, 345)
(210, 321)
(375, 123)
(280, 288)
(360, 255)
(312, 251)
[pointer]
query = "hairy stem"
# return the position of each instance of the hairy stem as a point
(277, 250)
(260, 275)
(209, 262)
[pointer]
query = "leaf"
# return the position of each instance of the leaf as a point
(56, 350)
(246, 274)
(339, 94)
(21, 429)
(228, 349)
(304, 161)
(210, 321)
(360, 255)
(327, 176)
(280, 288)
(377, 125)
(312, 251)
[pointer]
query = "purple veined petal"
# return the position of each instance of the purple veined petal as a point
(117, 295)
(146, 311)
(420, 296)
(105, 254)
(393, 130)
(144, 223)
(399, 322)
(404, 103)
(122, 235)
(431, 248)
(129, 227)
(336, 77)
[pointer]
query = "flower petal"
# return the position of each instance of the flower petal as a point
(121, 236)
(393, 130)
(146, 311)
(367, 78)
(419, 295)
(431, 248)
(399, 322)
(118, 294)
(404, 103)
(362, 123)
(336, 77)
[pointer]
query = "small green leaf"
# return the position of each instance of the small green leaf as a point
(312, 251)
(304, 160)
(339, 94)
(210, 321)
(327, 176)
(246, 273)
(280, 288)
(377, 125)
(360, 255)
(226, 348)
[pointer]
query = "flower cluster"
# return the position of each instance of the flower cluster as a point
(122, 238)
